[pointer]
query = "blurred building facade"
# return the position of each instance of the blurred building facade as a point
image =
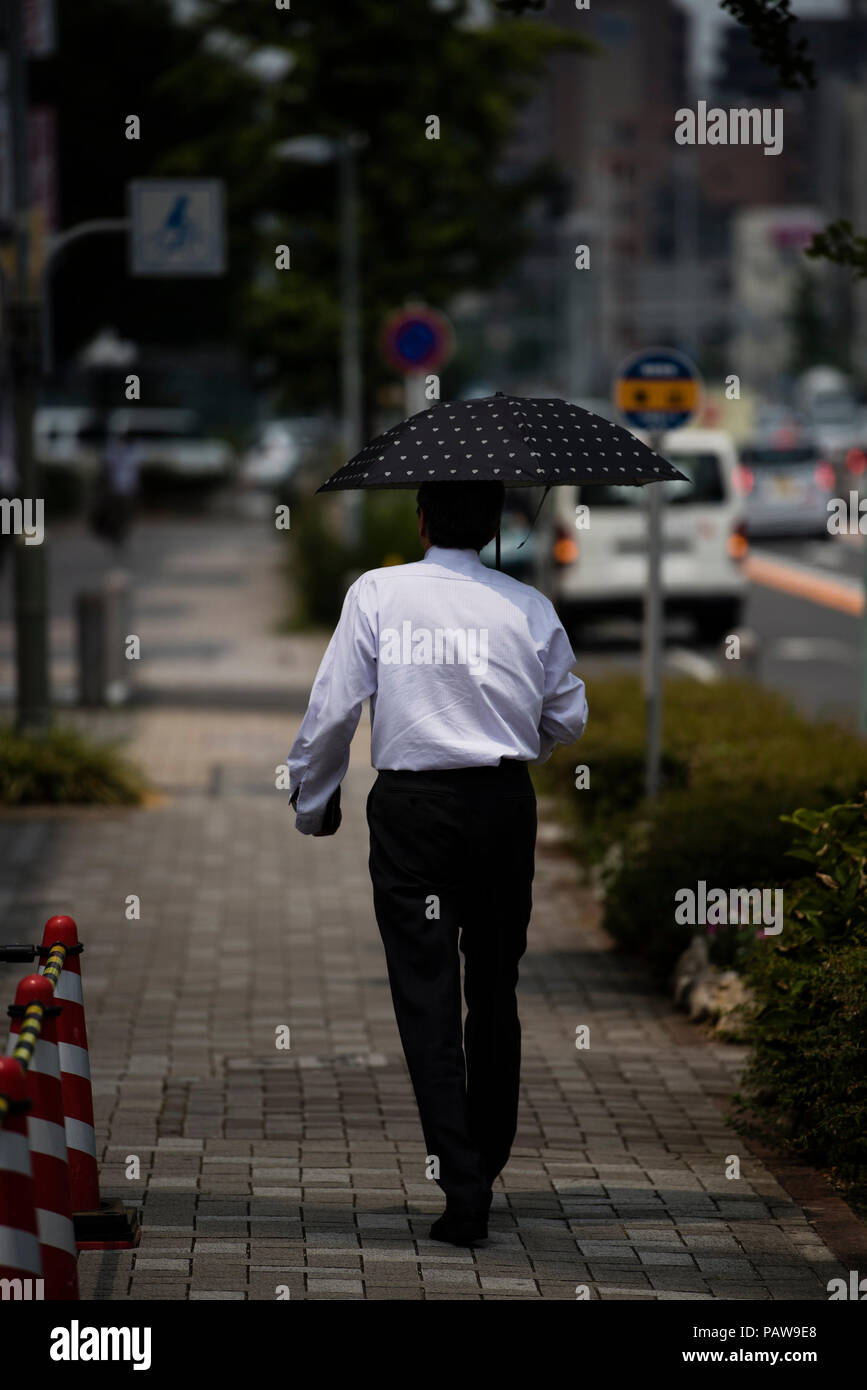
(607, 121)
(700, 247)
(819, 175)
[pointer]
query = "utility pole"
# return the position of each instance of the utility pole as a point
(31, 645)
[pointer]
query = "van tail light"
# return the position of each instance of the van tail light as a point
(737, 544)
(856, 461)
(745, 479)
(565, 551)
(824, 475)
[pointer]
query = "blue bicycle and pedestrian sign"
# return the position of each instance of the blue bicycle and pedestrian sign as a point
(177, 227)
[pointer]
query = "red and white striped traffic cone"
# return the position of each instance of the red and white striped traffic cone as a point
(47, 1136)
(98, 1225)
(20, 1256)
(74, 1068)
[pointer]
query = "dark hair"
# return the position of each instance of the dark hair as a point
(463, 516)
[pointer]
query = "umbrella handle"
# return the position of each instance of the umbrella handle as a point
(498, 549)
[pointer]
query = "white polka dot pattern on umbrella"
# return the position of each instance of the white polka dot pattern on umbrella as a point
(520, 441)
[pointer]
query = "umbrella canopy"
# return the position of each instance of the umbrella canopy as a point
(515, 440)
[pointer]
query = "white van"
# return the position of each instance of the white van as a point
(600, 568)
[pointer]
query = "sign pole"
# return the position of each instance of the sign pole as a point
(653, 634)
(413, 392)
(657, 389)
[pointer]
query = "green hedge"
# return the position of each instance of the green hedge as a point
(736, 759)
(61, 766)
(805, 1086)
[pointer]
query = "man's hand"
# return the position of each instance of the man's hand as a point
(332, 816)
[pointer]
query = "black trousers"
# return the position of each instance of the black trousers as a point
(452, 861)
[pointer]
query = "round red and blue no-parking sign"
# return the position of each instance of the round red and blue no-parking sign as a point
(417, 339)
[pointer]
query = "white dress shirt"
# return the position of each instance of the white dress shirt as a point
(463, 666)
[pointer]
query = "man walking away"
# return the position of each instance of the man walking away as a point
(469, 675)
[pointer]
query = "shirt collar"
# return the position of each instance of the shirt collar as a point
(452, 558)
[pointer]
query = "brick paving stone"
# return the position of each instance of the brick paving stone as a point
(306, 1168)
(217, 1294)
(343, 1286)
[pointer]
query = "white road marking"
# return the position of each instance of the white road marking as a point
(824, 554)
(811, 571)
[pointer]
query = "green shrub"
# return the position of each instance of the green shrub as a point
(735, 759)
(732, 737)
(727, 840)
(805, 1086)
(61, 766)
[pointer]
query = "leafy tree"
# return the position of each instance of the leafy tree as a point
(437, 215)
(769, 24)
(840, 244)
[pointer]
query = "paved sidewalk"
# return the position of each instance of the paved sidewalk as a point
(260, 1169)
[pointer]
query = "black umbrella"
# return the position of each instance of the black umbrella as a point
(515, 440)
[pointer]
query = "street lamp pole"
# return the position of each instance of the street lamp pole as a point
(343, 150)
(31, 635)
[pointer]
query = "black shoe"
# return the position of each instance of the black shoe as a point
(460, 1229)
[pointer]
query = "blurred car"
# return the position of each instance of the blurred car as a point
(172, 442)
(836, 421)
(279, 450)
(273, 457)
(601, 569)
(67, 437)
(785, 486)
(775, 419)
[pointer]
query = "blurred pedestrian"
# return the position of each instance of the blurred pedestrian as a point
(469, 675)
(117, 488)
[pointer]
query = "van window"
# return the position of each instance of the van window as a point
(801, 453)
(703, 484)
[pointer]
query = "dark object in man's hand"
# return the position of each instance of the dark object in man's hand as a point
(333, 816)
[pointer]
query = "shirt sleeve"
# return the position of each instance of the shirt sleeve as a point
(564, 705)
(346, 677)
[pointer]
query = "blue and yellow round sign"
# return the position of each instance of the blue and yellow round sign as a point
(658, 389)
